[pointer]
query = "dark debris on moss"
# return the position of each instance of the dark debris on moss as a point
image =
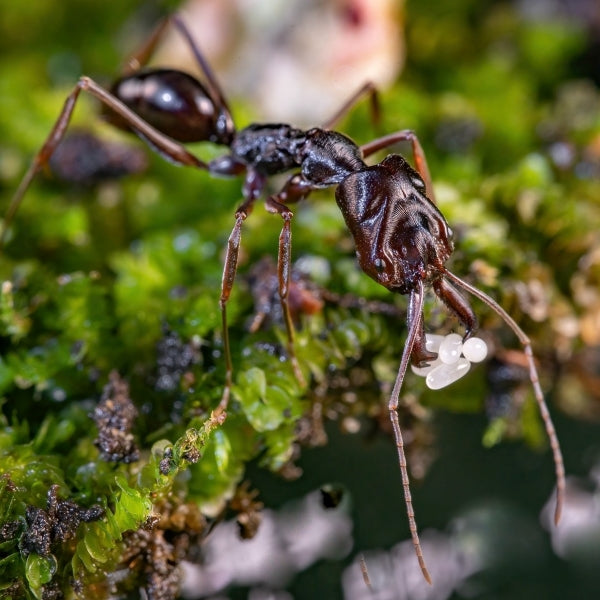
(115, 416)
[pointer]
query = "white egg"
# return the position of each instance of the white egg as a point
(450, 348)
(445, 374)
(474, 349)
(433, 341)
(422, 371)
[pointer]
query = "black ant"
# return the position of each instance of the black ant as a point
(402, 239)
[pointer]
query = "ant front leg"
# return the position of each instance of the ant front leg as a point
(405, 135)
(284, 267)
(415, 325)
(420, 356)
(166, 146)
(296, 188)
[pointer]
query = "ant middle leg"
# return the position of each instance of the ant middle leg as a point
(284, 267)
(252, 188)
(404, 135)
(164, 145)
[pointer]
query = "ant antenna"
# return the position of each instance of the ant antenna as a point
(535, 382)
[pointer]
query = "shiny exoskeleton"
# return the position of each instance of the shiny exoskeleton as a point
(402, 240)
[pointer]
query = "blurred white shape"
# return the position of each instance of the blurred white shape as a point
(577, 535)
(487, 537)
(395, 575)
(266, 594)
(297, 60)
(287, 542)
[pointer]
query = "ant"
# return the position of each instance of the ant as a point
(402, 240)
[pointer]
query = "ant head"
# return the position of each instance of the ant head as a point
(401, 237)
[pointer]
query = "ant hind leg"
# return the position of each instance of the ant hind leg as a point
(142, 56)
(215, 90)
(159, 142)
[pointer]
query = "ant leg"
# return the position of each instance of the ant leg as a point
(159, 142)
(535, 382)
(229, 271)
(284, 266)
(252, 187)
(414, 320)
(457, 304)
(215, 89)
(420, 355)
(296, 188)
(367, 89)
(405, 135)
(141, 57)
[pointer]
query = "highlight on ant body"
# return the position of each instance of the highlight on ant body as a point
(402, 239)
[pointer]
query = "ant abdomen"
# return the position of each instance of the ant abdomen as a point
(173, 102)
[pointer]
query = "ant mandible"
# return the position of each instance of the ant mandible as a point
(402, 239)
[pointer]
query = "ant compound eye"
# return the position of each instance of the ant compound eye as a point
(418, 183)
(379, 265)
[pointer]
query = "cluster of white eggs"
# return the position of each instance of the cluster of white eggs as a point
(453, 360)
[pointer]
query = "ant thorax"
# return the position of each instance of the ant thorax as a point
(270, 148)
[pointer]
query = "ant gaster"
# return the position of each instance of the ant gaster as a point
(402, 239)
